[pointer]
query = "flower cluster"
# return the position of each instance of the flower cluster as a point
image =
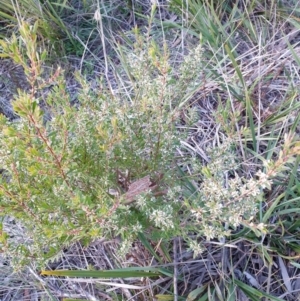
(162, 218)
(226, 199)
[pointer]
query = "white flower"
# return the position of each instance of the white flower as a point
(125, 247)
(209, 232)
(162, 218)
(235, 220)
(234, 194)
(197, 213)
(137, 228)
(196, 248)
(141, 201)
(215, 208)
(264, 181)
(261, 226)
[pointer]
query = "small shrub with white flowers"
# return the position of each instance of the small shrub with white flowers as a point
(226, 200)
(101, 167)
(106, 165)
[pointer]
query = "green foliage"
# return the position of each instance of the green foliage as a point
(55, 20)
(106, 165)
(206, 18)
(70, 178)
(116, 273)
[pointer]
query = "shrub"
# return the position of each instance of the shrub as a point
(106, 165)
(85, 173)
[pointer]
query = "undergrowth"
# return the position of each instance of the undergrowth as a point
(198, 152)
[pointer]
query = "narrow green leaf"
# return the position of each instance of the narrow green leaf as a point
(272, 208)
(256, 294)
(293, 177)
(204, 297)
(288, 211)
(266, 254)
(218, 291)
(235, 64)
(251, 120)
(196, 292)
(231, 292)
(295, 264)
(147, 245)
(165, 251)
(164, 297)
(247, 97)
(102, 274)
(188, 184)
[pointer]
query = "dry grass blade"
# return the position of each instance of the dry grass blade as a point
(285, 276)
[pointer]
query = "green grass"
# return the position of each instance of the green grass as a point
(224, 76)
